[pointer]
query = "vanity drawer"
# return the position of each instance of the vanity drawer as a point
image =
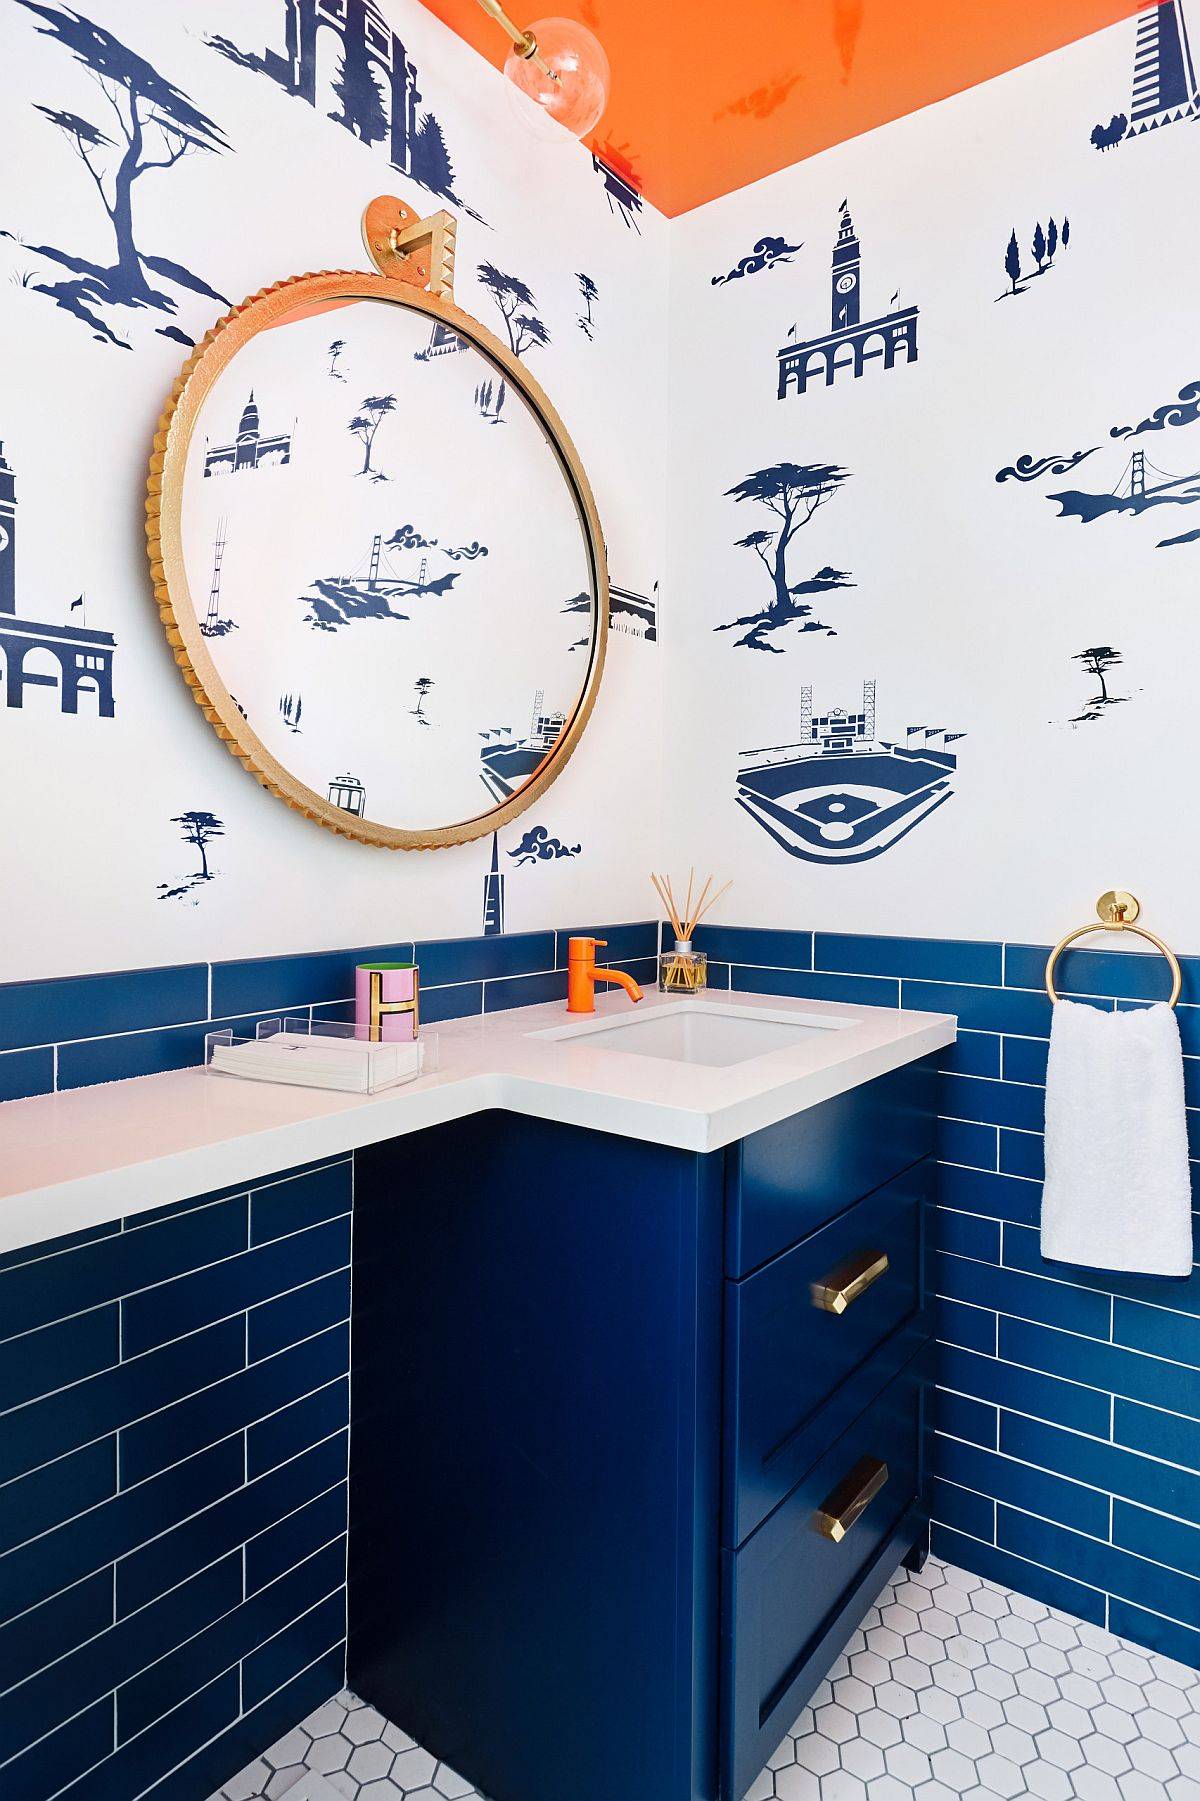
(785, 1181)
(797, 1329)
(797, 1589)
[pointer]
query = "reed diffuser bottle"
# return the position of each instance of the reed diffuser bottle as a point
(684, 970)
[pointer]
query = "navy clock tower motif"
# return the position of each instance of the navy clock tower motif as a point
(846, 263)
(8, 535)
(851, 341)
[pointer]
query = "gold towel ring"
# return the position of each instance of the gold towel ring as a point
(1116, 912)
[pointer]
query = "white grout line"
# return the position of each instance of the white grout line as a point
(178, 1644)
(199, 1452)
(1028, 1513)
(228, 1727)
(177, 1275)
(1110, 1444)
(155, 1350)
(1004, 1174)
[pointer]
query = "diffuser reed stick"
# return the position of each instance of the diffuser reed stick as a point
(686, 970)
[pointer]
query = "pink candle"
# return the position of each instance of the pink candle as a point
(399, 991)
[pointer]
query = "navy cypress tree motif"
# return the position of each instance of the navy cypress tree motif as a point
(421, 688)
(197, 827)
(523, 325)
(792, 493)
(1045, 243)
(147, 124)
(364, 426)
(1097, 661)
(590, 293)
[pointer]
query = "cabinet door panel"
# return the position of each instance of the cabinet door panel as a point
(798, 1328)
(785, 1181)
(797, 1588)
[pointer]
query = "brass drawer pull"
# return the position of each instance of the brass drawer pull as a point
(850, 1499)
(850, 1279)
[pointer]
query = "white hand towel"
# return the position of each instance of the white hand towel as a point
(1117, 1194)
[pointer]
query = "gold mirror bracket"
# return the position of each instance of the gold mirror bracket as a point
(404, 247)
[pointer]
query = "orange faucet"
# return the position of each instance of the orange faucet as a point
(582, 976)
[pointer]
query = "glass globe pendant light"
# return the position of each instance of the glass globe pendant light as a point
(560, 69)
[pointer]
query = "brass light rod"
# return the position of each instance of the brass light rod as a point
(523, 42)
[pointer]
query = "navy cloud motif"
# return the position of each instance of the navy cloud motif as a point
(766, 253)
(407, 537)
(537, 846)
(1030, 468)
(1183, 410)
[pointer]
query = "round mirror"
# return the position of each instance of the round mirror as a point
(378, 560)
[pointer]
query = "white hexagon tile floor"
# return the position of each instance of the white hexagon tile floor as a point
(953, 1689)
(346, 1751)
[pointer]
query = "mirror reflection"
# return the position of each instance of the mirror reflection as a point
(387, 562)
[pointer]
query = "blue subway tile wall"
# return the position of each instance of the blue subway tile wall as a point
(73, 1032)
(174, 1420)
(1068, 1421)
(1068, 1425)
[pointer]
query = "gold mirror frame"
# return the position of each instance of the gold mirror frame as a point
(164, 539)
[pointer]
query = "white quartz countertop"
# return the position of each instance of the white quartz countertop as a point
(81, 1158)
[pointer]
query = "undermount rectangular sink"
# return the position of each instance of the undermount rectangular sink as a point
(694, 1033)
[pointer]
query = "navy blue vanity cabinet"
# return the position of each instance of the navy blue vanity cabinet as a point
(535, 1441)
(607, 1398)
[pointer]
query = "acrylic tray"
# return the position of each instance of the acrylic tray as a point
(319, 1053)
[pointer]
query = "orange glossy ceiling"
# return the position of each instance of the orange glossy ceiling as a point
(707, 97)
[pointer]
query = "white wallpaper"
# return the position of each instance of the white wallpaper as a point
(97, 873)
(1007, 782)
(965, 599)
